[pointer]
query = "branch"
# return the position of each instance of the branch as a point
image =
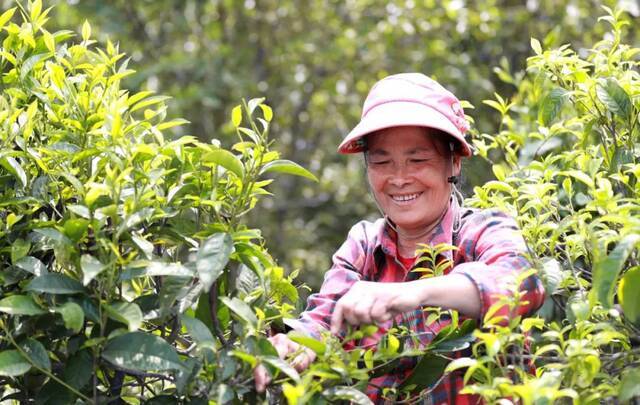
(213, 310)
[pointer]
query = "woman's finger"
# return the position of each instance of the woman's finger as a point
(261, 377)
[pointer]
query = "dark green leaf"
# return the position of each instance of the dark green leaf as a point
(629, 386)
(37, 353)
(614, 97)
(141, 352)
(72, 315)
(199, 332)
(78, 369)
(55, 283)
(551, 105)
(427, 372)
(606, 270)
(289, 167)
(213, 256)
(13, 364)
(20, 305)
(225, 159)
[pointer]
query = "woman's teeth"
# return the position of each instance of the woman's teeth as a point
(405, 198)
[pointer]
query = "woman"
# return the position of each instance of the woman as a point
(412, 136)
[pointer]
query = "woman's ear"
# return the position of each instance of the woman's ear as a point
(457, 164)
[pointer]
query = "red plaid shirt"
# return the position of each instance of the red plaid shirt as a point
(490, 253)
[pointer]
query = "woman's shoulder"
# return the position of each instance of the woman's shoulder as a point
(485, 217)
(367, 230)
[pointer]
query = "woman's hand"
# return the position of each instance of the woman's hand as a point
(285, 348)
(369, 302)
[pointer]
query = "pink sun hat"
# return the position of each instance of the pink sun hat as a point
(409, 99)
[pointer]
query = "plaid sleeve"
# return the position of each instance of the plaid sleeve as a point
(347, 268)
(494, 255)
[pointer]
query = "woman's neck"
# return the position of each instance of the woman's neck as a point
(408, 240)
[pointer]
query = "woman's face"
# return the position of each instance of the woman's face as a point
(408, 172)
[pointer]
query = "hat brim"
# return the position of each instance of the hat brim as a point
(400, 114)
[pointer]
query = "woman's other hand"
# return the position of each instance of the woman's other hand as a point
(286, 348)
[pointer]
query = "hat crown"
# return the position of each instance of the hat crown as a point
(416, 88)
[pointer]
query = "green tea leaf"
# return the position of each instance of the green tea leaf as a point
(314, 344)
(128, 313)
(199, 332)
(6, 16)
(551, 106)
(91, 267)
(607, 268)
(628, 294)
(37, 353)
(141, 351)
(13, 167)
(345, 393)
(213, 256)
(72, 315)
(19, 249)
(629, 387)
(289, 167)
(32, 265)
(13, 364)
(240, 308)
(20, 305)
(283, 366)
(236, 116)
(55, 283)
(614, 97)
(225, 159)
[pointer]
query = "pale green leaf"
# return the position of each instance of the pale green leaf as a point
(55, 283)
(128, 313)
(91, 267)
(225, 159)
(13, 364)
(72, 315)
(20, 305)
(289, 167)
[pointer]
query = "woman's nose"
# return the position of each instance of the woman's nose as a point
(399, 175)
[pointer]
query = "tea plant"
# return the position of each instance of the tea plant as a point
(566, 162)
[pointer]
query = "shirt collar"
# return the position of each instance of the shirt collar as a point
(442, 233)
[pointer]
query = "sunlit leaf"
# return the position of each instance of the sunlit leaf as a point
(20, 305)
(13, 364)
(141, 351)
(213, 256)
(287, 166)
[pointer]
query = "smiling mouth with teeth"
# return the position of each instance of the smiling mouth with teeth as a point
(405, 197)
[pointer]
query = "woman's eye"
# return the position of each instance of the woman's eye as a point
(418, 160)
(380, 163)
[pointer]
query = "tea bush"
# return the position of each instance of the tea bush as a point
(566, 162)
(128, 274)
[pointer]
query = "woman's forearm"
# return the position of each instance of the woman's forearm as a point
(453, 291)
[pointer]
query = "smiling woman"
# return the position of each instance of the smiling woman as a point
(412, 135)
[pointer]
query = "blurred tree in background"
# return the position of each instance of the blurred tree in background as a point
(315, 61)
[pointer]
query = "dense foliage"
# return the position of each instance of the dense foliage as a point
(129, 271)
(315, 61)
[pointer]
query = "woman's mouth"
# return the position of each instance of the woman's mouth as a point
(404, 198)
